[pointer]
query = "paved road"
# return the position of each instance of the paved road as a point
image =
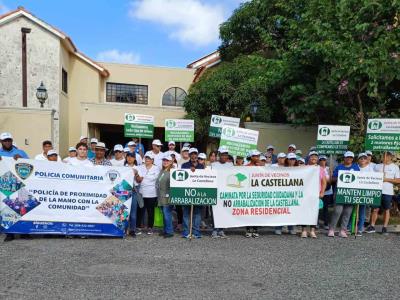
(270, 267)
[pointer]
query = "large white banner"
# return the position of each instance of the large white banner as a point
(259, 196)
(51, 197)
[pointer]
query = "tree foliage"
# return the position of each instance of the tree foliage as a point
(307, 62)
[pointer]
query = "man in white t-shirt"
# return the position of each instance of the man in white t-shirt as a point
(156, 152)
(46, 146)
(281, 157)
(118, 160)
(71, 154)
(81, 156)
(390, 178)
(171, 151)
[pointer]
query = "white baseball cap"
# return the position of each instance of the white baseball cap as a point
(313, 153)
(299, 152)
(149, 154)
(348, 154)
(167, 157)
(52, 152)
(291, 156)
(368, 152)
(5, 136)
(171, 143)
(281, 155)
(262, 157)
(270, 147)
(223, 149)
(157, 142)
(101, 145)
(118, 147)
(94, 141)
(202, 156)
(185, 149)
(322, 157)
(302, 160)
(193, 150)
(254, 152)
(292, 146)
(363, 154)
(70, 149)
(83, 137)
(126, 149)
(186, 145)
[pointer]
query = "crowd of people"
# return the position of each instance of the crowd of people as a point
(151, 186)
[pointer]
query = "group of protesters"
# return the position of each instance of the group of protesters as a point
(151, 186)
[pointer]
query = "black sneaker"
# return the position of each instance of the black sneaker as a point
(168, 235)
(9, 237)
(370, 229)
(384, 231)
(132, 234)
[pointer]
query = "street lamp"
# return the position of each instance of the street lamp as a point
(41, 94)
(254, 106)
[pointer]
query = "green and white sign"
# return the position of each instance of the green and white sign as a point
(217, 122)
(179, 130)
(355, 187)
(193, 188)
(332, 139)
(140, 126)
(383, 135)
(238, 141)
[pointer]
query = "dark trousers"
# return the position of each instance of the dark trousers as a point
(179, 213)
(149, 206)
(328, 200)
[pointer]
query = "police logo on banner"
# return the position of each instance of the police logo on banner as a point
(113, 175)
(24, 170)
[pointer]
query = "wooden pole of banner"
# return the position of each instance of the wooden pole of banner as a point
(191, 222)
(356, 226)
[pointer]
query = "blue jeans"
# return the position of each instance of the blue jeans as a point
(167, 218)
(196, 220)
(132, 215)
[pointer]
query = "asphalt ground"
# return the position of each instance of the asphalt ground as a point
(151, 267)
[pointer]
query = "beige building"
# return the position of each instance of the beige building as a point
(84, 97)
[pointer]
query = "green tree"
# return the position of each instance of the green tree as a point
(307, 62)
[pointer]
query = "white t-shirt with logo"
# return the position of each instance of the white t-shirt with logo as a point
(117, 163)
(148, 185)
(77, 162)
(217, 165)
(158, 158)
(392, 171)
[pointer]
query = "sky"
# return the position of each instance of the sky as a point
(151, 32)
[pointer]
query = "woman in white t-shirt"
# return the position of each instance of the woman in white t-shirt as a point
(147, 177)
(130, 161)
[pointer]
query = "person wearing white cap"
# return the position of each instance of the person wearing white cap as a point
(100, 158)
(369, 158)
(147, 178)
(184, 156)
(46, 146)
(328, 195)
(301, 161)
(9, 150)
(270, 152)
(71, 154)
(281, 157)
(171, 151)
(130, 162)
(83, 139)
(52, 155)
(131, 147)
(343, 210)
(222, 163)
(313, 161)
(91, 151)
(202, 159)
(118, 160)
(391, 177)
(252, 231)
(157, 153)
(291, 148)
(289, 160)
(138, 147)
(193, 164)
(81, 156)
(163, 184)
